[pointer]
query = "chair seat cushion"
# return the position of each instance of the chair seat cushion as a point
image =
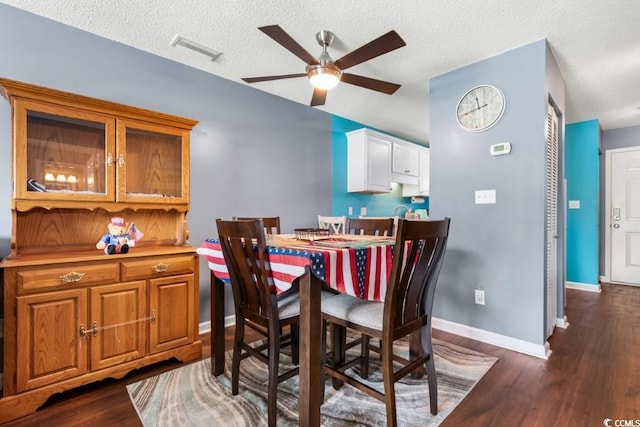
(289, 306)
(354, 310)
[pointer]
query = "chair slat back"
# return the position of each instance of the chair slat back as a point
(335, 224)
(418, 254)
(245, 253)
(370, 226)
(271, 223)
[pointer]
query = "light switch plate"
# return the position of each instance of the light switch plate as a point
(485, 197)
(363, 211)
(574, 204)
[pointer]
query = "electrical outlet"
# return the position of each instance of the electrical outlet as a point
(363, 211)
(479, 293)
(350, 211)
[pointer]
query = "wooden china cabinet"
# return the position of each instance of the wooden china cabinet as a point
(73, 314)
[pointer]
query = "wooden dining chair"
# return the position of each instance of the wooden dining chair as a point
(257, 305)
(271, 223)
(406, 311)
(370, 226)
(335, 224)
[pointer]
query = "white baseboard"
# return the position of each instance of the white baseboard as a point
(538, 350)
(205, 327)
(562, 322)
(583, 286)
(604, 279)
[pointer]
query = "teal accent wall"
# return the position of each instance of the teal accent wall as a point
(376, 204)
(582, 171)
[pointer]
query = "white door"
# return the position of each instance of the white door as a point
(624, 216)
(551, 220)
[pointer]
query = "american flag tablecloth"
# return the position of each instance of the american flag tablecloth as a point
(360, 269)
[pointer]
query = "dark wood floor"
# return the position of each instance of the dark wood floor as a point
(592, 374)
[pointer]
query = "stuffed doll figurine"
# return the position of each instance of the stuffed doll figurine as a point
(117, 239)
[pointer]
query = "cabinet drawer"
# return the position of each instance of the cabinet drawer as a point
(157, 267)
(76, 275)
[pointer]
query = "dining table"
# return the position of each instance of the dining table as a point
(352, 264)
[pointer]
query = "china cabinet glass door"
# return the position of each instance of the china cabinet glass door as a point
(65, 152)
(152, 161)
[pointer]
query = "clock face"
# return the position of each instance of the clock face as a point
(480, 108)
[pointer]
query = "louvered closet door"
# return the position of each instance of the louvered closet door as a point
(551, 220)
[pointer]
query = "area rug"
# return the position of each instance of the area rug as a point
(191, 396)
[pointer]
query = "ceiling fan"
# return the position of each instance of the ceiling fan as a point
(325, 73)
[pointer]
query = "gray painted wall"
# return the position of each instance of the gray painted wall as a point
(252, 153)
(612, 139)
(499, 248)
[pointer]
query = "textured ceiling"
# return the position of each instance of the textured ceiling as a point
(595, 42)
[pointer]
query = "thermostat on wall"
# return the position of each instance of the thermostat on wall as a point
(499, 149)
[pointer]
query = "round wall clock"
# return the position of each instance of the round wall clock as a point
(480, 108)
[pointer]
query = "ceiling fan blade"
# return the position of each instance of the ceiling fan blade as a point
(369, 83)
(383, 44)
(319, 97)
(268, 78)
(280, 36)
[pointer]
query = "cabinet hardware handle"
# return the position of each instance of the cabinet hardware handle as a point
(160, 267)
(82, 331)
(121, 160)
(109, 159)
(153, 315)
(95, 329)
(72, 277)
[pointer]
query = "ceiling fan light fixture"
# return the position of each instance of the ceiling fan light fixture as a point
(324, 77)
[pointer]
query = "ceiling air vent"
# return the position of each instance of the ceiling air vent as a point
(190, 44)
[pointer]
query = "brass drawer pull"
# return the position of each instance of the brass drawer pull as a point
(160, 267)
(72, 277)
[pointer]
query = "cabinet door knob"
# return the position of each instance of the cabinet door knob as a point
(121, 160)
(94, 329)
(72, 277)
(160, 267)
(109, 159)
(82, 331)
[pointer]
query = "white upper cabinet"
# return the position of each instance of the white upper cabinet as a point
(406, 165)
(369, 162)
(375, 160)
(422, 189)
